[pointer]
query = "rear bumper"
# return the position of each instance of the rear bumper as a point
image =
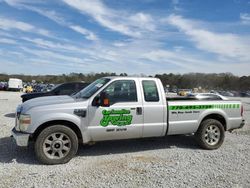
(242, 123)
(21, 139)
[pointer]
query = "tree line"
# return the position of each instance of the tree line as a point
(221, 81)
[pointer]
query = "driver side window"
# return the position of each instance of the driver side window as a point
(121, 91)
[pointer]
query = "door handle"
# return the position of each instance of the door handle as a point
(139, 110)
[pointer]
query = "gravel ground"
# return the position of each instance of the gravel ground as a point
(174, 161)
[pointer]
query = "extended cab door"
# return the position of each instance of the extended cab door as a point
(123, 118)
(154, 108)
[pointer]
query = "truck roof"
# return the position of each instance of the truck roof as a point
(131, 77)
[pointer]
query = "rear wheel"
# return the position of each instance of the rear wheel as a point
(56, 145)
(210, 134)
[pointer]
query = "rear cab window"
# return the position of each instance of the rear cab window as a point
(150, 91)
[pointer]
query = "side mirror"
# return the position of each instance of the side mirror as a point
(104, 100)
(96, 101)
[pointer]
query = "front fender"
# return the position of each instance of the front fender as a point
(39, 120)
(82, 125)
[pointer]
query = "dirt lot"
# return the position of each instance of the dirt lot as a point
(174, 161)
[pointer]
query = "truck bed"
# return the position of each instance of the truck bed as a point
(180, 98)
(185, 114)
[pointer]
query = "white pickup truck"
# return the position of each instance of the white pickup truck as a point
(119, 108)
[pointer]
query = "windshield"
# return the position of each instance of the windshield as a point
(92, 88)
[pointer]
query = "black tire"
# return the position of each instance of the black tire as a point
(51, 143)
(210, 134)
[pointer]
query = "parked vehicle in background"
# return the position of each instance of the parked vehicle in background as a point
(15, 84)
(114, 108)
(28, 89)
(207, 96)
(40, 88)
(61, 89)
(3, 86)
(184, 92)
(226, 93)
(244, 94)
(50, 87)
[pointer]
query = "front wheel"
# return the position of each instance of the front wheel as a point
(210, 134)
(56, 145)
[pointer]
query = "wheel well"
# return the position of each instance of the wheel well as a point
(69, 124)
(218, 117)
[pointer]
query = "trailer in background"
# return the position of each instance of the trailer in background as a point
(15, 84)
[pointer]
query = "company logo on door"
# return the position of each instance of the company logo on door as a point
(116, 117)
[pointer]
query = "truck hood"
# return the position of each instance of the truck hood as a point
(43, 101)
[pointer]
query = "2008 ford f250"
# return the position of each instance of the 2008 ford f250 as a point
(119, 108)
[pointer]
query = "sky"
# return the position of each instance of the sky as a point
(132, 36)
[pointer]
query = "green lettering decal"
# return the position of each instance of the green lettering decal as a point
(116, 117)
(203, 107)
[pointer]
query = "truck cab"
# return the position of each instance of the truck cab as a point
(135, 107)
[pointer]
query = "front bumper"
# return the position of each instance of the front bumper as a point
(21, 139)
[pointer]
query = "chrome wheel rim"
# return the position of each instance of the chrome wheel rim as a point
(212, 135)
(56, 145)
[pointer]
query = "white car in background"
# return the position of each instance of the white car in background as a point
(207, 96)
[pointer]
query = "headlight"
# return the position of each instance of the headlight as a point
(24, 121)
(18, 110)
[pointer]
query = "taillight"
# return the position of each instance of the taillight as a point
(241, 110)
